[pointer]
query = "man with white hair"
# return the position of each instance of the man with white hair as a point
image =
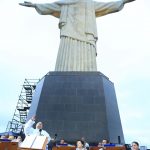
(29, 130)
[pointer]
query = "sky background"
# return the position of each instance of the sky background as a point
(28, 49)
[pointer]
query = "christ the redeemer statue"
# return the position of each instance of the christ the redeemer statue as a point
(78, 31)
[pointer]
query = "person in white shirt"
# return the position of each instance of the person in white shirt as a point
(80, 145)
(135, 145)
(29, 130)
(86, 145)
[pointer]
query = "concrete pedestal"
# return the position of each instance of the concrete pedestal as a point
(76, 104)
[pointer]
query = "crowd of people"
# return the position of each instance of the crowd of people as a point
(11, 138)
(81, 144)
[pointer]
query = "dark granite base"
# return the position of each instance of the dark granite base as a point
(76, 104)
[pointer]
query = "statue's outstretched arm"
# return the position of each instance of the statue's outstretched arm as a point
(27, 4)
(45, 9)
(104, 8)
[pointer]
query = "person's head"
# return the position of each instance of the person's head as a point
(6, 136)
(3, 137)
(135, 145)
(83, 139)
(39, 125)
(19, 139)
(62, 141)
(11, 137)
(99, 144)
(80, 144)
(105, 141)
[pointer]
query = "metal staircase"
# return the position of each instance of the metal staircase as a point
(23, 106)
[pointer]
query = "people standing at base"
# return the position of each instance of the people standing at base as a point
(80, 145)
(86, 145)
(5, 137)
(135, 145)
(102, 144)
(63, 142)
(105, 141)
(18, 140)
(11, 137)
(29, 130)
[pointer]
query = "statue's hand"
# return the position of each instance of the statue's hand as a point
(27, 4)
(131, 0)
(128, 1)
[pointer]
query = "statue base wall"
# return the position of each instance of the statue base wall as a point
(77, 104)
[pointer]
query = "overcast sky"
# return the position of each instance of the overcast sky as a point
(28, 49)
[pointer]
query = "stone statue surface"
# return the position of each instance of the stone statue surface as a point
(78, 31)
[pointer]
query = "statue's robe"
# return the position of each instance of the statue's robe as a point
(78, 31)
